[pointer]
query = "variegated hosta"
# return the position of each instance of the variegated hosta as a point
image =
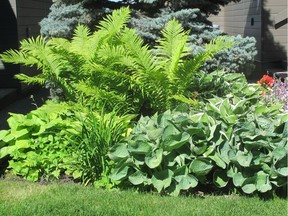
(230, 143)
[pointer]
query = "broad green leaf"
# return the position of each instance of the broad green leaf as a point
(217, 159)
(244, 159)
(281, 166)
(279, 153)
(154, 159)
(186, 182)
(169, 131)
(262, 182)
(139, 147)
(201, 166)
(220, 178)
(19, 133)
(8, 150)
(137, 178)
(155, 134)
(175, 141)
(118, 152)
(238, 179)
(77, 174)
(249, 185)
(162, 179)
(3, 133)
(119, 173)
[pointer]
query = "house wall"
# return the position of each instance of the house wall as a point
(242, 18)
(29, 14)
(274, 45)
(259, 18)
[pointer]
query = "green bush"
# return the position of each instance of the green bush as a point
(38, 143)
(58, 139)
(232, 143)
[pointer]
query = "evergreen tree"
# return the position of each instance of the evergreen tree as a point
(149, 17)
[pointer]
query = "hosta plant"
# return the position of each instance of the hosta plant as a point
(112, 66)
(232, 143)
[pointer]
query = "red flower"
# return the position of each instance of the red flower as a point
(266, 81)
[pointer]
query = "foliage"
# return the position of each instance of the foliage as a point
(231, 143)
(54, 140)
(218, 83)
(206, 6)
(112, 67)
(149, 19)
(62, 26)
(39, 143)
(99, 132)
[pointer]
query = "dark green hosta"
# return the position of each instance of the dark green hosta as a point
(231, 143)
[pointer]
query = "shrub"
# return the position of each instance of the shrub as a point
(58, 139)
(232, 143)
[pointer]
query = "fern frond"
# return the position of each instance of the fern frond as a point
(38, 79)
(134, 44)
(115, 22)
(172, 47)
(218, 44)
(79, 42)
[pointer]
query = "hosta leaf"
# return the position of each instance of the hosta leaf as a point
(175, 141)
(162, 179)
(154, 159)
(9, 150)
(244, 159)
(238, 179)
(137, 178)
(279, 153)
(262, 182)
(121, 170)
(220, 178)
(169, 131)
(139, 147)
(118, 152)
(155, 134)
(186, 182)
(281, 166)
(249, 185)
(201, 166)
(217, 159)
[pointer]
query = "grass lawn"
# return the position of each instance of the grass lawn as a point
(19, 197)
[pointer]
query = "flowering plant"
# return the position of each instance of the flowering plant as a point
(266, 81)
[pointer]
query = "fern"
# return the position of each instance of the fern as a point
(112, 67)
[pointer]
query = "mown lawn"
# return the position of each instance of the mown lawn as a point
(19, 197)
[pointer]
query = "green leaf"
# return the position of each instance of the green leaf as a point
(176, 141)
(155, 133)
(162, 179)
(154, 159)
(279, 153)
(220, 178)
(217, 159)
(249, 185)
(244, 159)
(169, 131)
(118, 152)
(238, 179)
(201, 166)
(186, 182)
(3, 133)
(137, 178)
(139, 147)
(281, 166)
(262, 182)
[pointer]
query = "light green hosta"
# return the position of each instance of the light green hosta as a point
(230, 143)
